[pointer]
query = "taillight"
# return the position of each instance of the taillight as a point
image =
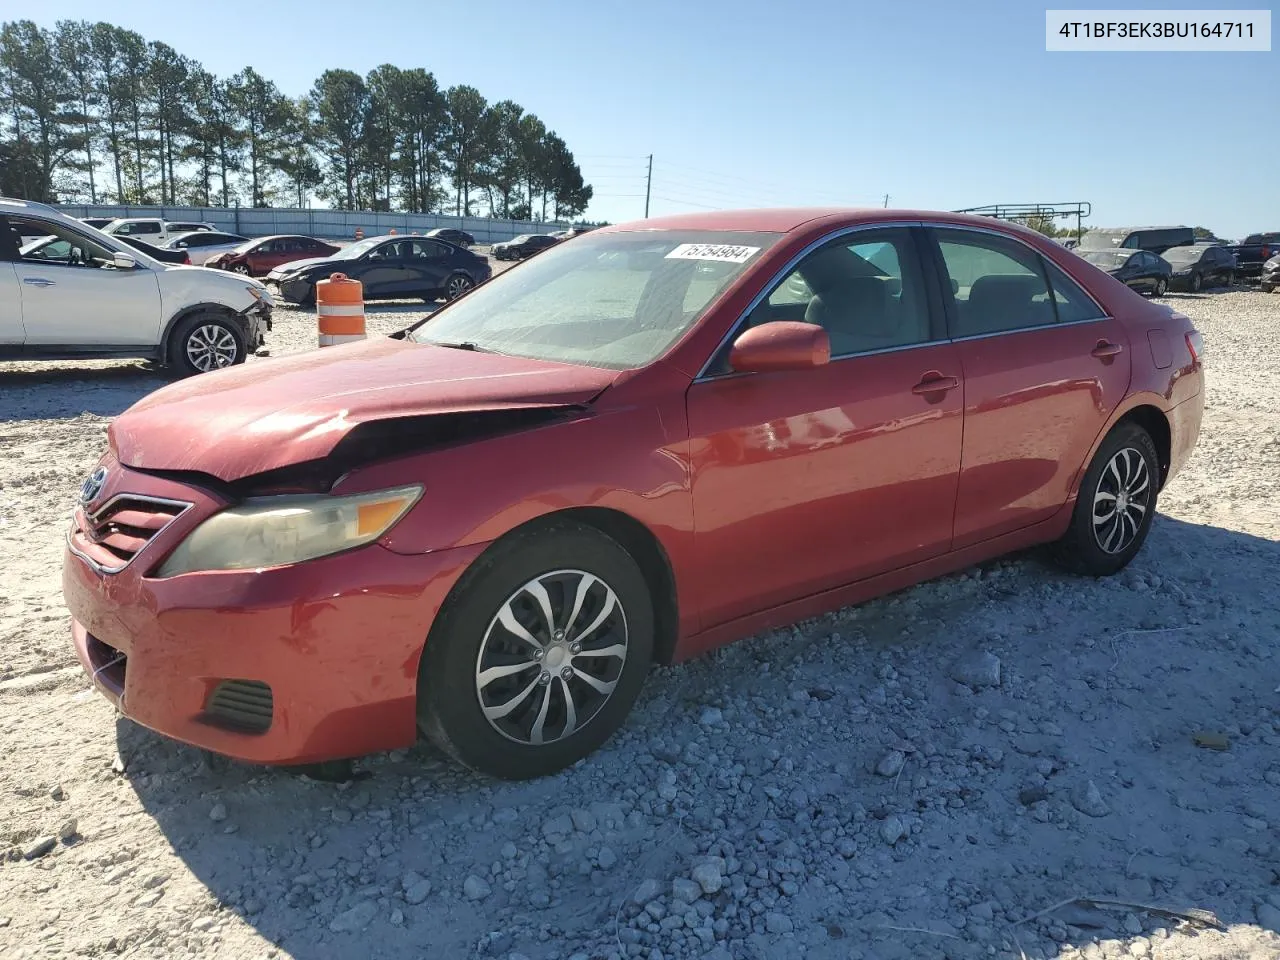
(1266, 252)
(186, 259)
(1195, 343)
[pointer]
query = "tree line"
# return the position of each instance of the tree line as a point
(92, 112)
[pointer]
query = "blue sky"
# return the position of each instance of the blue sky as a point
(753, 103)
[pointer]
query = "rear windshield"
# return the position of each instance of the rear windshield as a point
(1183, 254)
(614, 300)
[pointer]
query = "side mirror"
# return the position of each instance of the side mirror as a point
(123, 261)
(780, 345)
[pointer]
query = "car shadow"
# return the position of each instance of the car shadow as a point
(54, 390)
(1131, 668)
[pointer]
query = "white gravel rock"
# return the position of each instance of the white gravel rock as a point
(977, 670)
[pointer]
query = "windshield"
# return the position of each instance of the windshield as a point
(1106, 259)
(1103, 239)
(616, 300)
(1184, 254)
(358, 249)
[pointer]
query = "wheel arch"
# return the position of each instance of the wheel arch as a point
(635, 538)
(1147, 411)
(208, 307)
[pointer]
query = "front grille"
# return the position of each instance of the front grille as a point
(244, 705)
(113, 535)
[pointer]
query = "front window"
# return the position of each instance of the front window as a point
(59, 244)
(616, 300)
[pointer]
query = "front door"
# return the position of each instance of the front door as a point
(806, 480)
(73, 296)
(1043, 371)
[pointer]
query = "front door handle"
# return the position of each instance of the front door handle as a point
(1106, 349)
(935, 382)
(37, 282)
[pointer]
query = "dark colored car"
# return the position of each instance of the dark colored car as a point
(163, 254)
(1152, 239)
(1271, 274)
(1253, 251)
(635, 448)
(1203, 265)
(523, 247)
(459, 238)
(257, 258)
(391, 268)
(1136, 269)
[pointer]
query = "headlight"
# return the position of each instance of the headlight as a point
(273, 531)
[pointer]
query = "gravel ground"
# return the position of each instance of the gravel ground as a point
(930, 775)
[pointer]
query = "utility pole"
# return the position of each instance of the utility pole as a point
(648, 182)
(886, 201)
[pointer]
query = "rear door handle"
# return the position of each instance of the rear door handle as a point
(1106, 349)
(935, 383)
(37, 282)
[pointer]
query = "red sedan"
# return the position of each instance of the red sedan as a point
(259, 257)
(633, 448)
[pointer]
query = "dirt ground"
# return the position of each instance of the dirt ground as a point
(934, 774)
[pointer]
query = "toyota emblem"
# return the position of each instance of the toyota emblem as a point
(92, 485)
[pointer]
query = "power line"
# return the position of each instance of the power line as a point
(687, 203)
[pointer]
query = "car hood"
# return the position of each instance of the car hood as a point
(273, 413)
(294, 265)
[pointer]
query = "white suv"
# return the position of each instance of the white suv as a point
(67, 291)
(152, 229)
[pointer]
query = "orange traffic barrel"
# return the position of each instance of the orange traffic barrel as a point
(392, 231)
(359, 233)
(340, 310)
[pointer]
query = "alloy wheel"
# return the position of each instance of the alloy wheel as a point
(211, 346)
(1121, 500)
(241, 268)
(551, 657)
(1161, 287)
(458, 286)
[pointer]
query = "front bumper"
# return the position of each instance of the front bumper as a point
(334, 643)
(292, 291)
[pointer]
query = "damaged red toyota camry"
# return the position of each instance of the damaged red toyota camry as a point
(634, 447)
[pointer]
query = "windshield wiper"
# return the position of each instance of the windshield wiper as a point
(459, 345)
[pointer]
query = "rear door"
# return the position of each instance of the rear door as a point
(427, 266)
(1043, 366)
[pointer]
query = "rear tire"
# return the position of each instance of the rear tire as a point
(204, 342)
(557, 708)
(1162, 287)
(1107, 530)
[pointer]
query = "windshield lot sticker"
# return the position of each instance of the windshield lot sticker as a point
(723, 252)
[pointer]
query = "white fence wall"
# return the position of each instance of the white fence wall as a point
(326, 224)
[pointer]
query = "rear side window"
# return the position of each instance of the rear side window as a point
(997, 283)
(1070, 300)
(139, 229)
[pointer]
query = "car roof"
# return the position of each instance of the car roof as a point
(789, 219)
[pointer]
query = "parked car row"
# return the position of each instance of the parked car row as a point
(1192, 268)
(1195, 261)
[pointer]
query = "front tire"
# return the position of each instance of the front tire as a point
(241, 269)
(538, 654)
(1196, 282)
(1115, 506)
(204, 342)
